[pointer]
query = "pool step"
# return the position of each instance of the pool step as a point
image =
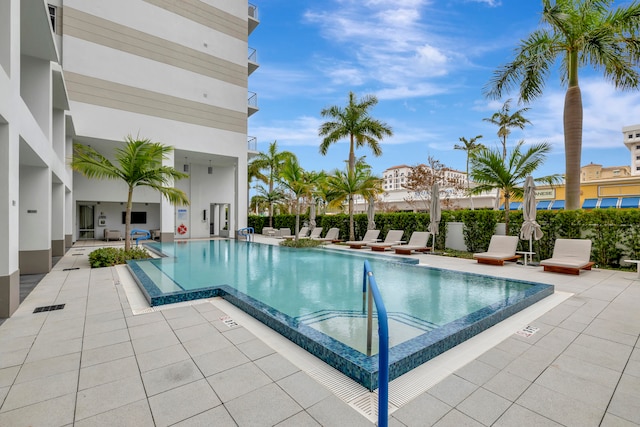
(322, 315)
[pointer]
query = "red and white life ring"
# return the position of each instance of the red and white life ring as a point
(182, 229)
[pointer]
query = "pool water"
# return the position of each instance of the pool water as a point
(318, 291)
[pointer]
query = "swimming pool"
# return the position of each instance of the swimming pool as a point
(314, 298)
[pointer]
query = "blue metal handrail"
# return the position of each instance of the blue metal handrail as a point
(142, 235)
(247, 232)
(383, 342)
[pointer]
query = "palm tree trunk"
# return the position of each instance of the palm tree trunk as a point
(352, 232)
(297, 230)
(127, 220)
(572, 146)
(507, 203)
(468, 192)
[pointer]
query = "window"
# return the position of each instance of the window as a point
(630, 135)
(638, 168)
(52, 17)
(637, 157)
(637, 135)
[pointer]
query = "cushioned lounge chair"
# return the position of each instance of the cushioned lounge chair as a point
(302, 233)
(393, 237)
(315, 233)
(284, 233)
(417, 242)
(501, 249)
(331, 236)
(569, 256)
(369, 236)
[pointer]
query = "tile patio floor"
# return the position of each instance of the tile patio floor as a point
(94, 363)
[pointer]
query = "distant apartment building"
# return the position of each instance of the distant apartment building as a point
(631, 138)
(77, 71)
(396, 197)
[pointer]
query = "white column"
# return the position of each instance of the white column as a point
(35, 219)
(57, 219)
(167, 211)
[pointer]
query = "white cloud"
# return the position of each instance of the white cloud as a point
(298, 131)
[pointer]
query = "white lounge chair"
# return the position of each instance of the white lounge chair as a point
(393, 237)
(315, 233)
(569, 256)
(302, 233)
(369, 236)
(284, 233)
(501, 249)
(331, 236)
(417, 242)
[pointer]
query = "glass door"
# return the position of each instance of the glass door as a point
(86, 220)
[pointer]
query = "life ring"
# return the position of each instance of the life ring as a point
(182, 229)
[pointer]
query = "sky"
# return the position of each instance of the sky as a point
(428, 62)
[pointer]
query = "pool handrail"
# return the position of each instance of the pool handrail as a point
(145, 235)
(383, 342)
(248, 232)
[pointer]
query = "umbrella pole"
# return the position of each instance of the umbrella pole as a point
(530, 251)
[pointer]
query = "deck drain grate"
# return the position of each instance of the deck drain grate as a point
(48, 308)
(76, 254)
(71, 268)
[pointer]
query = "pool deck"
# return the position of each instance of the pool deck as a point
(96, 363)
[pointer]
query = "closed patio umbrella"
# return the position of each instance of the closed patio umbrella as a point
(371, 209)
(530, 228)
(434, 213)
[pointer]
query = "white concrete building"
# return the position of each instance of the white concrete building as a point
(397, 198)
(631, 138)
(93, 73)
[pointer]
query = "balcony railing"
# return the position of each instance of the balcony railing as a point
(252, 103)
(252, 60)
(252, 143)
(253, 11)
(253, 55)
(253, 18)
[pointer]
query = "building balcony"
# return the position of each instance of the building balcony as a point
(252, 146)
(253, 17)
(252, 104)
(252, 60)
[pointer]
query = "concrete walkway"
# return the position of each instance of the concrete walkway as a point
(96, 363)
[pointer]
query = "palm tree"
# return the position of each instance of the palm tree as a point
(295, 180)
(139, 164)
(506, 121)
(469, 146)
(491, 172)
(271, 198)
(353, 122)
(343, 185)
(271, 162)
(579, 33)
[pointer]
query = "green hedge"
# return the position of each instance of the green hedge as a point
(615, 233)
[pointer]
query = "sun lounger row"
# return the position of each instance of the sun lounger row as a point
(393, 241)
(569, 255)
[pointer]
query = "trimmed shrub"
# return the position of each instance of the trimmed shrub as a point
(301, 243)
(107, 257)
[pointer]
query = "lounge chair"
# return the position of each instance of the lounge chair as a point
(369, 236)
(269, 231)
(417, 242)
(331, 236)
(284, 233)
(394, 237)
(315, 233)
(501, 249)
(569, 256)
(301, 233)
